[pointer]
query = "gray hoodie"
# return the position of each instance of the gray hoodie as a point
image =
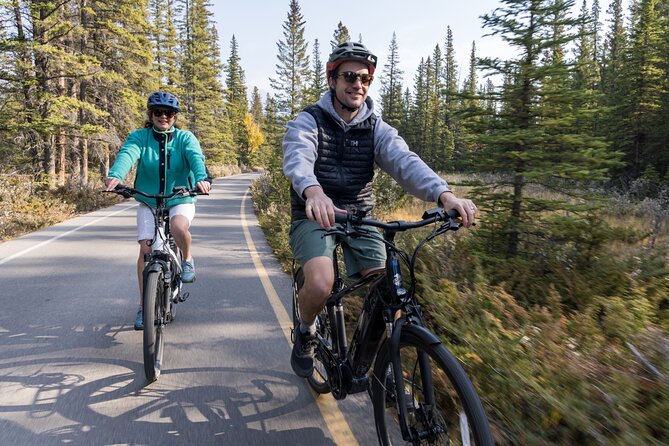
(391, 153)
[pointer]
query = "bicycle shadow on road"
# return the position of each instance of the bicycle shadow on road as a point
(47, 402)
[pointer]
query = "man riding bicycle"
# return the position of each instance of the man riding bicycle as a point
(167, 157)
(330, 150)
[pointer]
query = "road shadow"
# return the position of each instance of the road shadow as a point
(218, 405)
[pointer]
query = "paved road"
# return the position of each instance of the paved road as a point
(71, 364)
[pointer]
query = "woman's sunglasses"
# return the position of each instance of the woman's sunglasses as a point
(351, 76)
(158, 113)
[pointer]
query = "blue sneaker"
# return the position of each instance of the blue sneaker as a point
(188, 271)
(139, 320)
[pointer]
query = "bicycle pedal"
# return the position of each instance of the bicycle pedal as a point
(183, 297)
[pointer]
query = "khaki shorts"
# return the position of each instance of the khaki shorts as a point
(146, 221)
(307, 242)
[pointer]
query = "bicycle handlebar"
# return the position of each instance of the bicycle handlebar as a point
(128, 192)
(430, 216)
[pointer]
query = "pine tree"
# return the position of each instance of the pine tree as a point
(203, 102)
(340, 35)
(534, 142)
(164, 38)
(119, 41)
(236, 101)
(392, 106)
(256, 108)
(273, 130)
(293, 67)
(317, 82)
(645, 87)
(417, 127)
(451, 105)
(586, 76)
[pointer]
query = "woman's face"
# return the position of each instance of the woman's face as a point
(163, 118)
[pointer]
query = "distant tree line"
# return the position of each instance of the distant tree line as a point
(582, 89)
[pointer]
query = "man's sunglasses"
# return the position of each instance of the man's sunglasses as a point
(158, 113)
(351, 76)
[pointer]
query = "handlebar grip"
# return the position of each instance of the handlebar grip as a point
(341, 217)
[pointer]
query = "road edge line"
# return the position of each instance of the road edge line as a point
(334, 419)
(64, 234)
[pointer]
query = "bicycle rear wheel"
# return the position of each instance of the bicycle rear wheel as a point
(153, 308)
(319, 377)
(441, 404)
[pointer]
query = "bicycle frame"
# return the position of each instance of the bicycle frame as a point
(377, 320)
(163, 255)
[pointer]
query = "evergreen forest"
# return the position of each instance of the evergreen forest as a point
(557, 302)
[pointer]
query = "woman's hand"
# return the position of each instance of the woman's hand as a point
(204, 186)
(111, 183)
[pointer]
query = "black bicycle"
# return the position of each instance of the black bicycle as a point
(419, 390)
(162, 277)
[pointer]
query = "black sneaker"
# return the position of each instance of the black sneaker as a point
(302, 357)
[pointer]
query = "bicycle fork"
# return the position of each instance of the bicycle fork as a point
(425, 370)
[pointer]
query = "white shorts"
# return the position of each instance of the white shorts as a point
(145, 219)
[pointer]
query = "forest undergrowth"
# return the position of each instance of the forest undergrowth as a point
(567, 347)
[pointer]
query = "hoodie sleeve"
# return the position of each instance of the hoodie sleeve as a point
(300, 149)
(410, 172)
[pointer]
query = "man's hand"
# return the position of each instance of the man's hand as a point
(319, 207)
(465, 207)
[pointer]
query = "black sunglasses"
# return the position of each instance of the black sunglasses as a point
(158, 113)
(351, 76)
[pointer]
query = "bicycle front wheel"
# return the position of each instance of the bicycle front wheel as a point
(440, 404)
(152, 310)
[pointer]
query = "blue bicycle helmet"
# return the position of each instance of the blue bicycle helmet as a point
(163, 99)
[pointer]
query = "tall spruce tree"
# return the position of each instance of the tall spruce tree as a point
(645, 87)
(451, 104)
(392, 106)
(236, 100)
(256, 108)
(165, 41)
(292, 70)
(119, 41)
(203, 92)
(317, 83)
(340, 35)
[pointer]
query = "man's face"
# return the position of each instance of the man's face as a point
(352, 94)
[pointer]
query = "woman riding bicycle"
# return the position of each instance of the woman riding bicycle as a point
(166, 157)
(330, 150)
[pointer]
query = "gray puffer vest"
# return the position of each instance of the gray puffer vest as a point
(344, 166)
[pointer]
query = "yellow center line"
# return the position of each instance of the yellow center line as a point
(334, 419)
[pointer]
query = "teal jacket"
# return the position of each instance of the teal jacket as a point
(161, 167)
